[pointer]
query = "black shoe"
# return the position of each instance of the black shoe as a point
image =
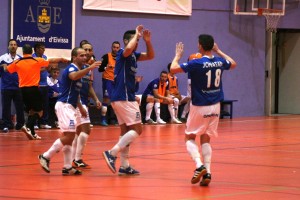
(71, 171)
(205, 180)
(198, 173)
(80, 164)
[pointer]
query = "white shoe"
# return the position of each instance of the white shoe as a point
(176, 121)
(46, 126)
(160, 121)
(36, 127)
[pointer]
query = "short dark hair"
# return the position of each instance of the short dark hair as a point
(206, 41)
(38, 45)
(27, 49)
(82, 42)
(115, 42)
(11, 40)
(74, 52)
(163, 72)
(127, 35)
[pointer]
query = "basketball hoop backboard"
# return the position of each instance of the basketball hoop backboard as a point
(250, 7)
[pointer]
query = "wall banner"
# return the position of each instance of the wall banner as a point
(169, 7)
(47, 21)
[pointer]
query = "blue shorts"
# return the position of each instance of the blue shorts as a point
(107, 86)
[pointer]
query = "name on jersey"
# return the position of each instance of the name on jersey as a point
(212, 64)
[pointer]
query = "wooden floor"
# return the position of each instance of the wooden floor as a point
(253, 158)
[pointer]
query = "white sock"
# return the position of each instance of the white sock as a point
(149, 108)
(171, 110)
(81, 142)
(206, 153)
(176, 105)
(186, 109)
(55, 148)
(157, 110)
(193, 150)
(124, 141)
(124, 155)
(74, 146)
(67, 150)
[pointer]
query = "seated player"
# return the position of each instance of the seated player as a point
(177, 97)
(157, 92)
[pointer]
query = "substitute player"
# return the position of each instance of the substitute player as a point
(207, 92)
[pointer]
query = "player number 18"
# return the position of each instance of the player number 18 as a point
(217, 79)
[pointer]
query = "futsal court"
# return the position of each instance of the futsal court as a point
(253, 158)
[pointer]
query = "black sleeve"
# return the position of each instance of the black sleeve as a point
(104, 63)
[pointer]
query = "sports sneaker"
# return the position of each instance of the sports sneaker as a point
(103, 123)
(91, 125)
(80, 164)
(129, 171)
(71, 171)
(44, 163)
(160, 121)
(45, 126)
(110, 160)
(198, 173)
(36, 127)
(150, 121)
(5, 130)
(205, 179)
(175, 121)
(27, 132)
(36, 137)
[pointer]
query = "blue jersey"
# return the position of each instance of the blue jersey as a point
(206, 79)
(84, 91)
(8, 81)
(53, 86)
(124, 81)
(69, 89)
(44, 74)
(154, 84)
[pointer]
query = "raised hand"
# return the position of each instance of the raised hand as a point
(179, 49)
(139, 30)
(146, 35)
(96, 64)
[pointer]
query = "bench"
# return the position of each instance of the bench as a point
(227, 108)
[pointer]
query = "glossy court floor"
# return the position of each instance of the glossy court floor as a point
(253, 158)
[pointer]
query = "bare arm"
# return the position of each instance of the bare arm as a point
(149, 54)
(133, 42)
(57, 60)
(223, 55)
(94, 96)
(79, 74)
(175, 67)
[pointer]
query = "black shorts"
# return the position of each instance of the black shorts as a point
(32, 98)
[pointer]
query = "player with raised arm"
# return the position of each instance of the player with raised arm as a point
(207, 92)
(123, 97)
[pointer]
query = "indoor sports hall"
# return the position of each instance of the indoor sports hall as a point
(257, 152)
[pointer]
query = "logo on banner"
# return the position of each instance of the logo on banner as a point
(44, 16)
